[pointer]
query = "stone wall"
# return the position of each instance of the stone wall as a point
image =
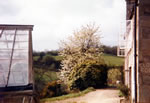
(144, 51)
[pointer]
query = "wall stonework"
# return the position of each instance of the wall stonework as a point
(146, 33)
(144, 51)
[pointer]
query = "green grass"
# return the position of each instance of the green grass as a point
(109, 59)
(113, 60)
(72, 95)
(58, 58)
(36, 58)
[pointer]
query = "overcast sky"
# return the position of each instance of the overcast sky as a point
(55, 20)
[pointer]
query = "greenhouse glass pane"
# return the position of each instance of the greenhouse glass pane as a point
(23, 38)
(9, 32)
(21, 45)
(22, 32)
(16, 58)
(4, 66)
(19, 73)
(5, 55)
(20, 55)
(2, 80)
(6, 45)
(5, 37)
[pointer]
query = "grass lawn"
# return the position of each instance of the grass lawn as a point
(72, 95)
(113, 60)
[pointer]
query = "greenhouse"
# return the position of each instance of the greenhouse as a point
(15, 55)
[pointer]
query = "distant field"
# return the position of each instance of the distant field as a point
(113, 60)
(108, 58)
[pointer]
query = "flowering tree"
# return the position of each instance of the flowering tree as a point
(83, 45)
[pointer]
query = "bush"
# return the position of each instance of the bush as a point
(42, 77)
(48, 60)
(88, 74)
(53, 89)
(123, 91)
(114, 75)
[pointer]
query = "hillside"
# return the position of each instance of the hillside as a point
(113, 60)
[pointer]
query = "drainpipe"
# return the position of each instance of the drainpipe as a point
(135, 48)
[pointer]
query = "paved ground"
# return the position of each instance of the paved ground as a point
(98, 96)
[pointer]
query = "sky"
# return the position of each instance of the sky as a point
(55, 20)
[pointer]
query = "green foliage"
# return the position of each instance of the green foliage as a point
(123, 91)
(82, 45)
(53, 53)
(88, 74)
(45, 65)
(112, 60)
(115, 71)
(114, 74)
(110, 50)
(72, 95)
(42, 77)
(53, 89)
(47, 60)
(36, 58)
(58, 58)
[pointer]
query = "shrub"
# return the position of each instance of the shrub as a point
(42, 77)
(114, 75)
(88, 74)
(48, 60)
(53, 89)
(123, 91)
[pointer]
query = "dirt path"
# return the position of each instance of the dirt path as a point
(98, 96)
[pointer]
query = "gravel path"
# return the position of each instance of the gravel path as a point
(98, 96)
